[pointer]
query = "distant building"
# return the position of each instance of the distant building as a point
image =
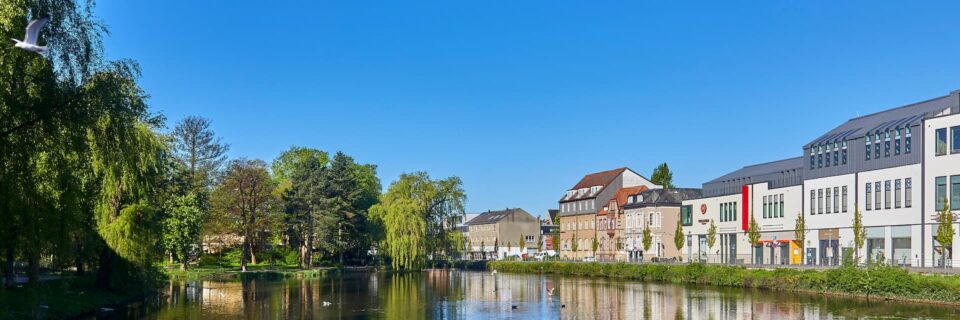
(610, 225)
(498, 234)
(580, 205)
(547, 230)
(658, 209)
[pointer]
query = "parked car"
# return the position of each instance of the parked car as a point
(589, 259)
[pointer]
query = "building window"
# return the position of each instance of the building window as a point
(813, 160)
(843, 153)
(955, 139)
(686, 215)
(813, 202)
(941, 192)
(844, 198)
(886, 144)
(820, 201)
(869, 195)
(941, 138)
(876, 198)
(876, 146)
(954, 192)
(866, 140)
(906, 141)
(781, 205)
(820, 157)
(836, 199)
(886, 194)
(896, 143)
(907, 195)
(896, 194)
(836, 157)
(764, 207)
(828, 201)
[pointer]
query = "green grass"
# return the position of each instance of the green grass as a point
(63, 298)
(874, 282)
(253, 271)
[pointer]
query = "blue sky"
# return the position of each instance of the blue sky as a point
(521, 99)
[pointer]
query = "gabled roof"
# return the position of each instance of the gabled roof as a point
(665, 197)
(900, 117)
(621, 197)
(762, 168)
(602, 179)
(495, 216)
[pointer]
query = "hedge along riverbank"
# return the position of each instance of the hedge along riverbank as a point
(882, 282)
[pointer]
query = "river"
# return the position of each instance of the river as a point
(482, 295)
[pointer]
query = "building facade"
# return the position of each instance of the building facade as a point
(581, 203)
(896, 168)
(659, 210)
(610, 222)
(499, 234)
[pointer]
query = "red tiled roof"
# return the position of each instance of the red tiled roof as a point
(598, 179)
(623, 193)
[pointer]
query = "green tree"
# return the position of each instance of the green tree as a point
(800, 231)
(859, 234)
(945, 231)
(199, 150)
(753, 236)
(662, 176)
(594, 245)
(246, 198)
(523, 244)
(712, 235)
(647, 238)
(181, 229)
(679, 238)
(574, 245)
(405, 231)
(297, 173)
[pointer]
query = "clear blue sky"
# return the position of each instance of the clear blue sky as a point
(522, 98)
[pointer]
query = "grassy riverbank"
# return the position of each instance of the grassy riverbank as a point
(59, 298)
(872, 282)
(217, 273)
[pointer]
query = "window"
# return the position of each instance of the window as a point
(828, 201)
(836, 199)
(954, 192)
(876, 146)
(906, 141)
(907, 195)
(781, 205)
(886, 144)
(941, 192)
(843, 153)
(955, 139)
(866, 140)
(869, 201)
(876, 198)
(896, 143)
(844, 198)
(765, 207)
(813, 202)
(836, 157)
(820, 201)
(896, 194)
(686, 215)
(886, 194)
(941, 135)
(820, 157)
(813, 160)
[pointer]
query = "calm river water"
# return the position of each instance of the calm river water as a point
(481, 295)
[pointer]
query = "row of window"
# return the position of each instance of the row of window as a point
(588, 224)
(820, 155)
(836, 200)
(941, 135)
(878, 194)
(577, 206)
(941, 192)
(728, 211)
(773, 206)
(886, 143)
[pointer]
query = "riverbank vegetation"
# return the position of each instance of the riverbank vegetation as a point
(93, 184)
(877, 281)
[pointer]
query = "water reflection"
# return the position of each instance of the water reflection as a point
(481, 295)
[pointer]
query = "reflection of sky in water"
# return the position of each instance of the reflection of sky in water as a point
(481, 295)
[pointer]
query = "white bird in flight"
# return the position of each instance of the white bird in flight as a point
(29, 42)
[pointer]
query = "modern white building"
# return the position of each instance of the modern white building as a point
(897, 167)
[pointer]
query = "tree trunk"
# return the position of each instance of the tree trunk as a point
(243, 254)
(78, 261)
(308, 252)
(9, 275)
(33, 269)
(184, 260)
(106, 268)
(253, 255)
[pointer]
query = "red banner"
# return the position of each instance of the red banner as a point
(745, 192)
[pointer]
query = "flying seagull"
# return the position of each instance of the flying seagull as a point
(29, 42)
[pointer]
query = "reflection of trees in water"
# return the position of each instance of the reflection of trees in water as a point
(404, 298)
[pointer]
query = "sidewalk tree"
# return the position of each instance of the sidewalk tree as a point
(800, 231)
(594, 245)
(945, 232)
(678, 238)
(712, 235)
(647, 238)
(859, 234)
(753, 236)
(573, 244)
(523, 244)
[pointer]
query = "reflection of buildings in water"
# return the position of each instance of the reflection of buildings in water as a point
(222, 297)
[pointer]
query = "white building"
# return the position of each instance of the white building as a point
(897, 167)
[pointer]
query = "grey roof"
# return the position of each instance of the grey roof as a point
(495, 216)
(665, 197)
(900, 117)
(762, 169)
